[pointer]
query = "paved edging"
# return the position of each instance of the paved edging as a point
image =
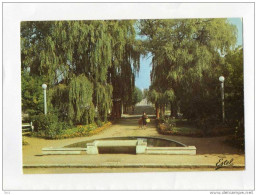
(126, 166)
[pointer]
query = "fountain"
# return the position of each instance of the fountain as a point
(127, 145)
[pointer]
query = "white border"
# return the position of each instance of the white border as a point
(14, 13)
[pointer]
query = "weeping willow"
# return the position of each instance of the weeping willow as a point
(186, 54)
(103, 100)
(81, 108)
(59, 100)
(87, 63)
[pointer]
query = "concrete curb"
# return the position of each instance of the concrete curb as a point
(126, 166)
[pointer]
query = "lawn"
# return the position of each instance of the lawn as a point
(187, 128)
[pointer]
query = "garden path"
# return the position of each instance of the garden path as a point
(129, 127)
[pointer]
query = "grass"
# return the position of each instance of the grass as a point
(184, 127)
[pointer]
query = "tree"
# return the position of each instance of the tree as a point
(234, 85)
(186, 55)
(234, 93)
(79, 59)
(137, 96)
(145, 92)
(32, 94)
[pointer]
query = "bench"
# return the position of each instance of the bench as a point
(27, 128)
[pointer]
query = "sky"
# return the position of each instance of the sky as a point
(143, 78)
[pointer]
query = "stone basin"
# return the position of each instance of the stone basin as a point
(125, 145)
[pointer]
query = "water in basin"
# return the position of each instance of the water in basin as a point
(151, 142)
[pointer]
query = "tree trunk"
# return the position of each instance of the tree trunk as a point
(157, 111)
(116, 110)
(174, 110)
(121, 108)
(171, 109)
(162, 110)
(113, 110)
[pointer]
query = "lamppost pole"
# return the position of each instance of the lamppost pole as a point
(44, 86)
(222, 79)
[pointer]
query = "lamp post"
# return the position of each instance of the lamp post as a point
(222, 79)
(44, 86)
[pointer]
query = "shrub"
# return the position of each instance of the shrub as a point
(43, 122)
(99, 123)
(171, 123)
(168, 122)
(48, 125)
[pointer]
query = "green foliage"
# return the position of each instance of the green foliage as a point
(153, 96)
(137, 96)
(169, 95)
(78, 131)
(43, 122)
(160, 98)
(187, 56)
(99, 123)
(60, 52)
(103, 100)
(81, 108)
(145, 93)
(70, 132)
(59, 95)
(169, 122)
(47, 124)
(234, 85)
(32, 94)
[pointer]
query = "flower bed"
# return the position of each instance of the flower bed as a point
(165, 130)
(79, 131)
(162, 129)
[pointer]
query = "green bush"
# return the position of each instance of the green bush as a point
(44, 122)
(99, 123)
(48, 125)
(171, 123)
